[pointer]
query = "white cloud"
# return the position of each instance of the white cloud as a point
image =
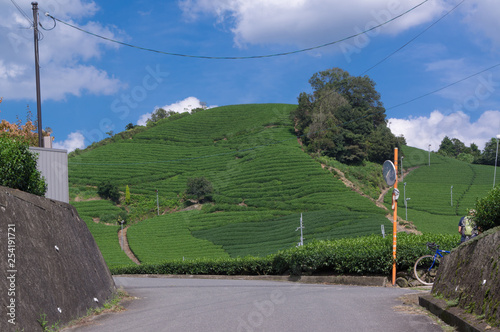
(306, 22)
(143, 119)
(185, 105)
(64, 52)
(74, 141)
(482, 17)
(421, 131)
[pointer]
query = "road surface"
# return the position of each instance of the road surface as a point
(169, 304)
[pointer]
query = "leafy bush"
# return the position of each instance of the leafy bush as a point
(18, 167)
(106, 190)
(200, 188)
(488, 210)
(356, 256)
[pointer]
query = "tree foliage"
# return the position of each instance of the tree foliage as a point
(454, 148)
(25, 132)
(107, 190)
(489, 153)
(344, 118)
(200, 188)
(488, 210)
(18, 167)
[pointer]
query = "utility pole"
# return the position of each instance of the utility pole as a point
(451, 195)
(37, 73)
(157, 202)
(301, 243)
(429, 154)
(402, 171)
(495, 172)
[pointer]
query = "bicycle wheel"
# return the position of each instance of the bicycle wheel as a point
(425, 269)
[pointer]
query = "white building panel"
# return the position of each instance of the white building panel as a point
(53, 164)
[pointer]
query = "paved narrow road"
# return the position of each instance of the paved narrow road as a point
(168, 304)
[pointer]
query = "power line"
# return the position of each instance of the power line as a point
(22, 12)
(442, 88)
(411, 40)
(238, 57)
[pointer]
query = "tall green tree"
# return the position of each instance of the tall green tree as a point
(344, 118)
(489, 153)
(18, 167)
(446, 147)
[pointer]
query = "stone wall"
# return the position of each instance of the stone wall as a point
(471, 275)
(50, 264)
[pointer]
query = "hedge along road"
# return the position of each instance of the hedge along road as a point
(170, 304)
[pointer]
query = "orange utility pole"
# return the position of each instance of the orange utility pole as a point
(394, 224)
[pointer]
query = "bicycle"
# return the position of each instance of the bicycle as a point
(426, 267)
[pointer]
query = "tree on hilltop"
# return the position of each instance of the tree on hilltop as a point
(489, 153)
(344, 118)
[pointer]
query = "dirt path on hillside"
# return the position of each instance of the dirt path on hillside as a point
(126, 248)
(402, 225)
(349, 184)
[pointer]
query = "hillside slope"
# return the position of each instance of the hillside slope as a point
(258, 169)
(263, 182)
(440, 193)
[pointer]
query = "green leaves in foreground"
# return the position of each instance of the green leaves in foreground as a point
(355, 256)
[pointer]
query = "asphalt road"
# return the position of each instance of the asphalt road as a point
(168, 304)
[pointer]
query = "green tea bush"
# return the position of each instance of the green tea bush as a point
(355, 256)
(488, 210)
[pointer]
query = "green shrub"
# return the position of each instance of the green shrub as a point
(106, 190)
(200, 188)
(355, 256)
(18, 167)
(488, 210)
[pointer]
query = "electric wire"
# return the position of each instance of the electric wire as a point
(22, 12)
(239, 57)
(411, 40)
(444, 87)
(55, 23)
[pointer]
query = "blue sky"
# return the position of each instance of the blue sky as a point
(91, 86)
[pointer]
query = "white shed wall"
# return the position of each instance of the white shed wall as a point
(53, 164)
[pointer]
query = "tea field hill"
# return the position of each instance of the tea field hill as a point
(263, 183)
(262, 178)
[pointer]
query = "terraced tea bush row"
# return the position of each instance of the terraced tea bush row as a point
(105, 210)
(263, 237)
(168, 237)
(352, 256)
(106, 238)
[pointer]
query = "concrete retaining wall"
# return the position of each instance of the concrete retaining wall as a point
(49, 263)
(471, 275)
